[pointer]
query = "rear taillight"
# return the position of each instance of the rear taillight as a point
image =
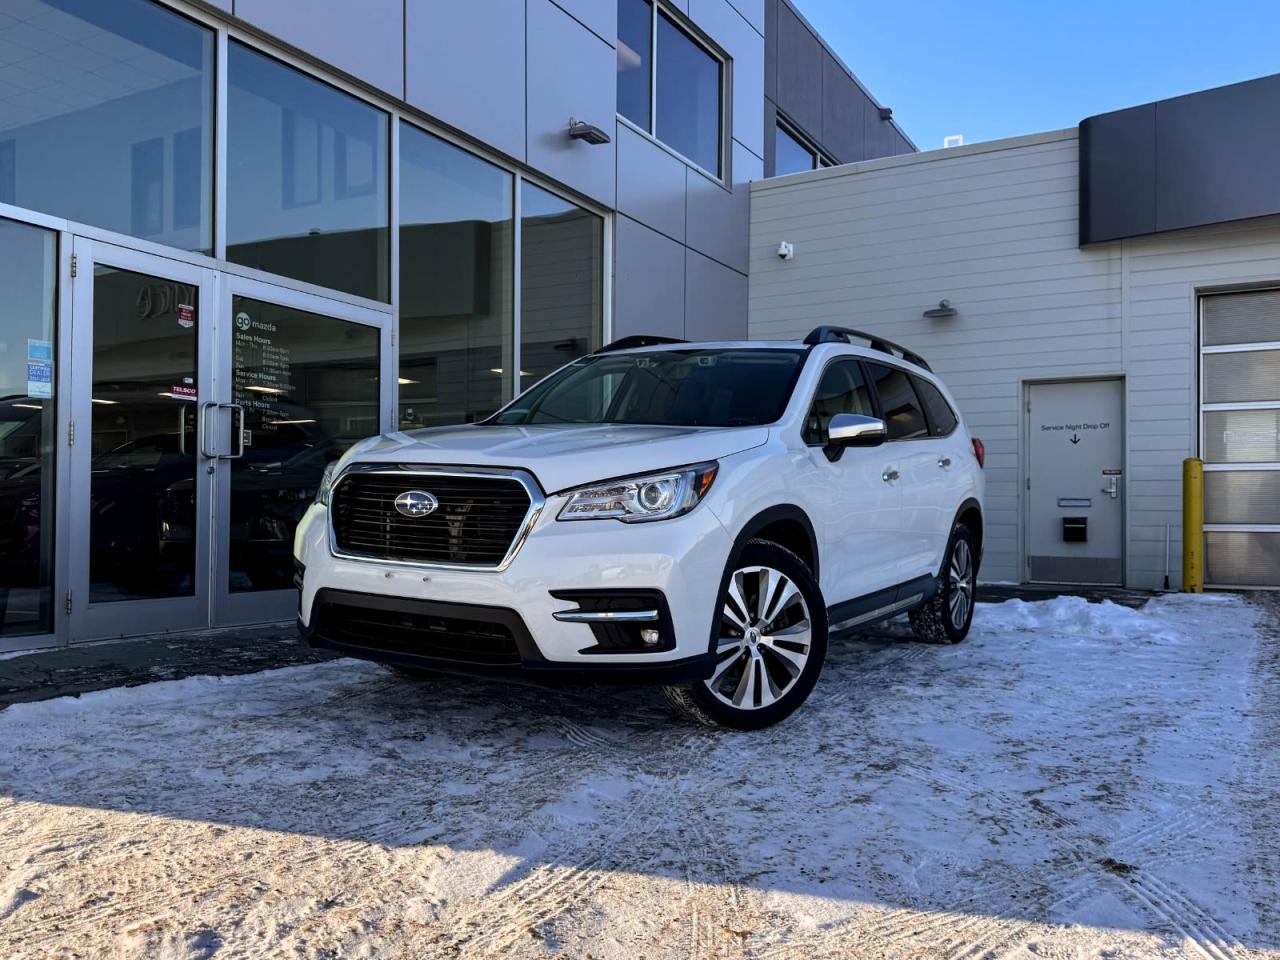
(980, 452)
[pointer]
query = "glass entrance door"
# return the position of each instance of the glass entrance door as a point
(143, 442)
(308, 374)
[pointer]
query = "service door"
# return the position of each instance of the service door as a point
(1075, 482)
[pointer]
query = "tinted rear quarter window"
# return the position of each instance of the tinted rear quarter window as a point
(942, 419)
(899, 406)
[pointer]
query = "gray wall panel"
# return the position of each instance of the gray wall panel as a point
(369, 45)
(598, 16)
(455, 50)
(725, 25)
(715, 300)
(799, 72)
(649, 284)
(718, 221)
(880, 139)
(1217, 154)
(567, 70)
(844, 109)
(1117, 174)
(753, 11)
(651, 183)
(771, 49)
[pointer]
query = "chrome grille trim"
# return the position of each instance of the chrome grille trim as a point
(419, 471)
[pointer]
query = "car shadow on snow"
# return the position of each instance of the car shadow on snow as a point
(973, 781)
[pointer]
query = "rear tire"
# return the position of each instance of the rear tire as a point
(771, 634)
(947, 617)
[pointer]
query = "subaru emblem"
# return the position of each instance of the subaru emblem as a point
(416, 503)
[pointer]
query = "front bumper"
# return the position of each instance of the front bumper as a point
(682, 559)
(467, 639)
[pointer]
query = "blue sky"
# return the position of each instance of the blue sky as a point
(998, 68)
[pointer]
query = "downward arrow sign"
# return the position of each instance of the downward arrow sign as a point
(1075, 438)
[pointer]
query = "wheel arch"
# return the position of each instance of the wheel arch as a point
(784, 524)
(970, 514)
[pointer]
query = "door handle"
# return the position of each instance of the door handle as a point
(944, 462)
(1112, 487)
(889, 475)
(206, 434)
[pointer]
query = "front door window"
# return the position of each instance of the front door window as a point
(142, 481)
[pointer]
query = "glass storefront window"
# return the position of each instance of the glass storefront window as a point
(107, 118)
(309, 388)
(28, 264)
(457, 254)
(635, 56)
(561, 295)
(307, 178)
(688, 96)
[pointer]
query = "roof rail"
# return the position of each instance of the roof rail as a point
(826, 334)
(639, 340)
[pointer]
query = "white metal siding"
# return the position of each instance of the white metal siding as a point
(994, 229)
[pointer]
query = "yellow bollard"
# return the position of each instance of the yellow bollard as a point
(1193, 525)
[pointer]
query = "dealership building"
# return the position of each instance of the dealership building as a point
(1103, 301)
(238, 235)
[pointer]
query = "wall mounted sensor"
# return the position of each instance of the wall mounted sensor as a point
(786, 251)
(588, 132)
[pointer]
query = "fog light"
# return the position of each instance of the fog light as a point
(649, 637)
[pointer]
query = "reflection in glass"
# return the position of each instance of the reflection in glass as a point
(27, 476)
(635, 55)
(456, 263)
(560, 282)
(307, 172)
(689, 100)
(107, 117)
(309, 387)
(142, 490)
(790, 155)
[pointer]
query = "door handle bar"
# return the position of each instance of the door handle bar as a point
(206, 434)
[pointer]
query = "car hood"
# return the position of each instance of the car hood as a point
(560, 456)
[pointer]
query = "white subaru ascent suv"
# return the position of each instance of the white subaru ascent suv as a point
(695, 515)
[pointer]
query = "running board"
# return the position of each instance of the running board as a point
(880, 613)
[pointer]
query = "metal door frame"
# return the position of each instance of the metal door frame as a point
(1024, 469)
(94, 621)
(228, 608)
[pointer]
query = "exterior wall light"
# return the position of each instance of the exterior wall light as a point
(886, 113)
(943, 311)
(581, 130)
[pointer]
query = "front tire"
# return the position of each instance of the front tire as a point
(771, 641)
(947, 617)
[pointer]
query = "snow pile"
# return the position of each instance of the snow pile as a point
(1074, 780)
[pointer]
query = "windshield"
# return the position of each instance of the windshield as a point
(679, 388)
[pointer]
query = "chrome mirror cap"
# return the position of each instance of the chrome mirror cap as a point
(855, 430)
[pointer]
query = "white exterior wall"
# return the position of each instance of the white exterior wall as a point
(994, 229)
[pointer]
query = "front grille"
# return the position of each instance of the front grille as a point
(477, 520)
(418, 634)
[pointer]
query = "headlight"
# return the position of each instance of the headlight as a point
(326, 483)
(656, 496)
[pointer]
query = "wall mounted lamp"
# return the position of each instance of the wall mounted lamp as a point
(886, 113)
(943, 311)
(588, 132)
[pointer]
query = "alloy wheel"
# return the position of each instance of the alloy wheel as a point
(962, 584)
(764, 640)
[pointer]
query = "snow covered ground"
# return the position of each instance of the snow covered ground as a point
(1076, 780)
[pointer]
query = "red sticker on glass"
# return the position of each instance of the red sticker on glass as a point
(186, 315)
(183, 393)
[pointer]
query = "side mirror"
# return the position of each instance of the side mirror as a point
(853, 430)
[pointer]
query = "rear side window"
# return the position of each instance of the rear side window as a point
(841, 390)
(942, 419)
(899, 405)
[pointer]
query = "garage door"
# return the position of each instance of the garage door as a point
(1240, 437)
